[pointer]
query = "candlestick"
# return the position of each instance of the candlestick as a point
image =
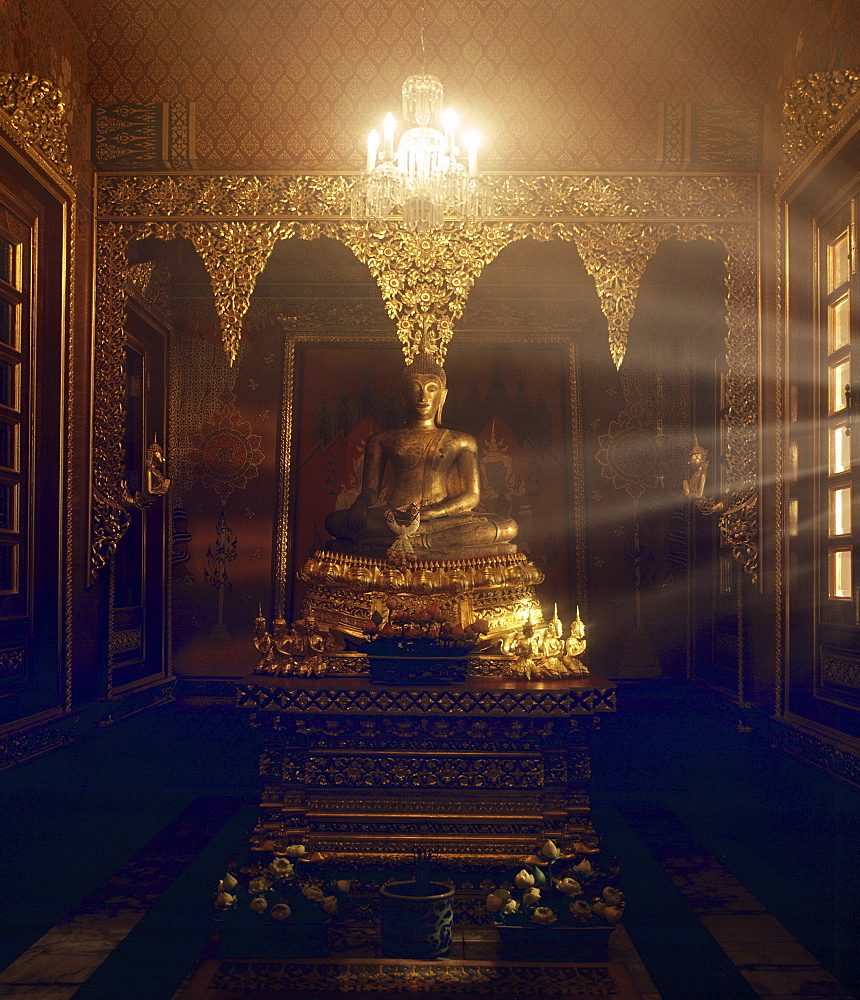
(450, 120)
(388, 135)
(473, 140)
(372, 150)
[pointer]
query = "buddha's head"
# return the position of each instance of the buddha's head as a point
(425, 388)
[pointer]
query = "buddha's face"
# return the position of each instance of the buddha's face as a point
(425, 396)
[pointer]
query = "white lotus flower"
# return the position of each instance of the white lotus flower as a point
(281, 867)
(494, 903)
(543, 915)
(569, 886)
(550, 851)
(531, 896)
(258, 904)
(524, 879)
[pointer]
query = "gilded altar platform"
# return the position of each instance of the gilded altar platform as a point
(479, 772)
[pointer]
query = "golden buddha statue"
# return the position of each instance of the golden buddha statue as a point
(421, 515)
(413, 534)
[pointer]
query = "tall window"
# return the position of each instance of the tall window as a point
(15, 292)
(33, 304)
(821, 312)
(839, 302)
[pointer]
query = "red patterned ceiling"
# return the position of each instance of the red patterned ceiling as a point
(296, 84)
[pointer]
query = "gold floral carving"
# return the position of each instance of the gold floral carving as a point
(139, 277)
(296, 697)
(185, 196)
(37, 114)
(812, 110)
(425, 280)
(645, 197)
(234, 254)
(551, 197)
(739, 523)
(842, 670)
(615, 256)
(449, 771)
(110, 512)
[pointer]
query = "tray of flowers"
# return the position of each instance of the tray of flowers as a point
(544, 918)
(277, 910)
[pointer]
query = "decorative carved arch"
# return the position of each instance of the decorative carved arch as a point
(617, 223)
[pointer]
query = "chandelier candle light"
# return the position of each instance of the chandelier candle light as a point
(425, 177)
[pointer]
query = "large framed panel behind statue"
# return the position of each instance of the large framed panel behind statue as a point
(518, 398)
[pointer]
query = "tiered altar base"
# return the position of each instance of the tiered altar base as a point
(480, 772)
(344, 589)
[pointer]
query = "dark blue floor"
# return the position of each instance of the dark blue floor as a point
(69, 819)
(789, 832)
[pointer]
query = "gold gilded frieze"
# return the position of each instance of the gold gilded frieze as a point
(812, 109)
(425, 279)
(606, 196)
(517, 197)
(203, 196)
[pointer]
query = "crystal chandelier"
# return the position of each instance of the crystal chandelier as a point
(426, 177)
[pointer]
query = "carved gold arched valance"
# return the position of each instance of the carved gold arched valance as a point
(616, 223)
(37, 120)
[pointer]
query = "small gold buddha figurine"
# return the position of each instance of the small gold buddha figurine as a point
(543, 652)
(574, 647)
(422, 456)
(265, 646)
(156, 482)
(697, 465)
(576, 644)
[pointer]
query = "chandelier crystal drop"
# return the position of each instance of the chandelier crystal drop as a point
(426, 178)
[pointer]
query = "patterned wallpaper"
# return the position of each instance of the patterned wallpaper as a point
(552, 84)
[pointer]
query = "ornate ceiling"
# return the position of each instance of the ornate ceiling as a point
(552, 84)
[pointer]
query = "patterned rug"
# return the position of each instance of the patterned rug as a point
(392, 979)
